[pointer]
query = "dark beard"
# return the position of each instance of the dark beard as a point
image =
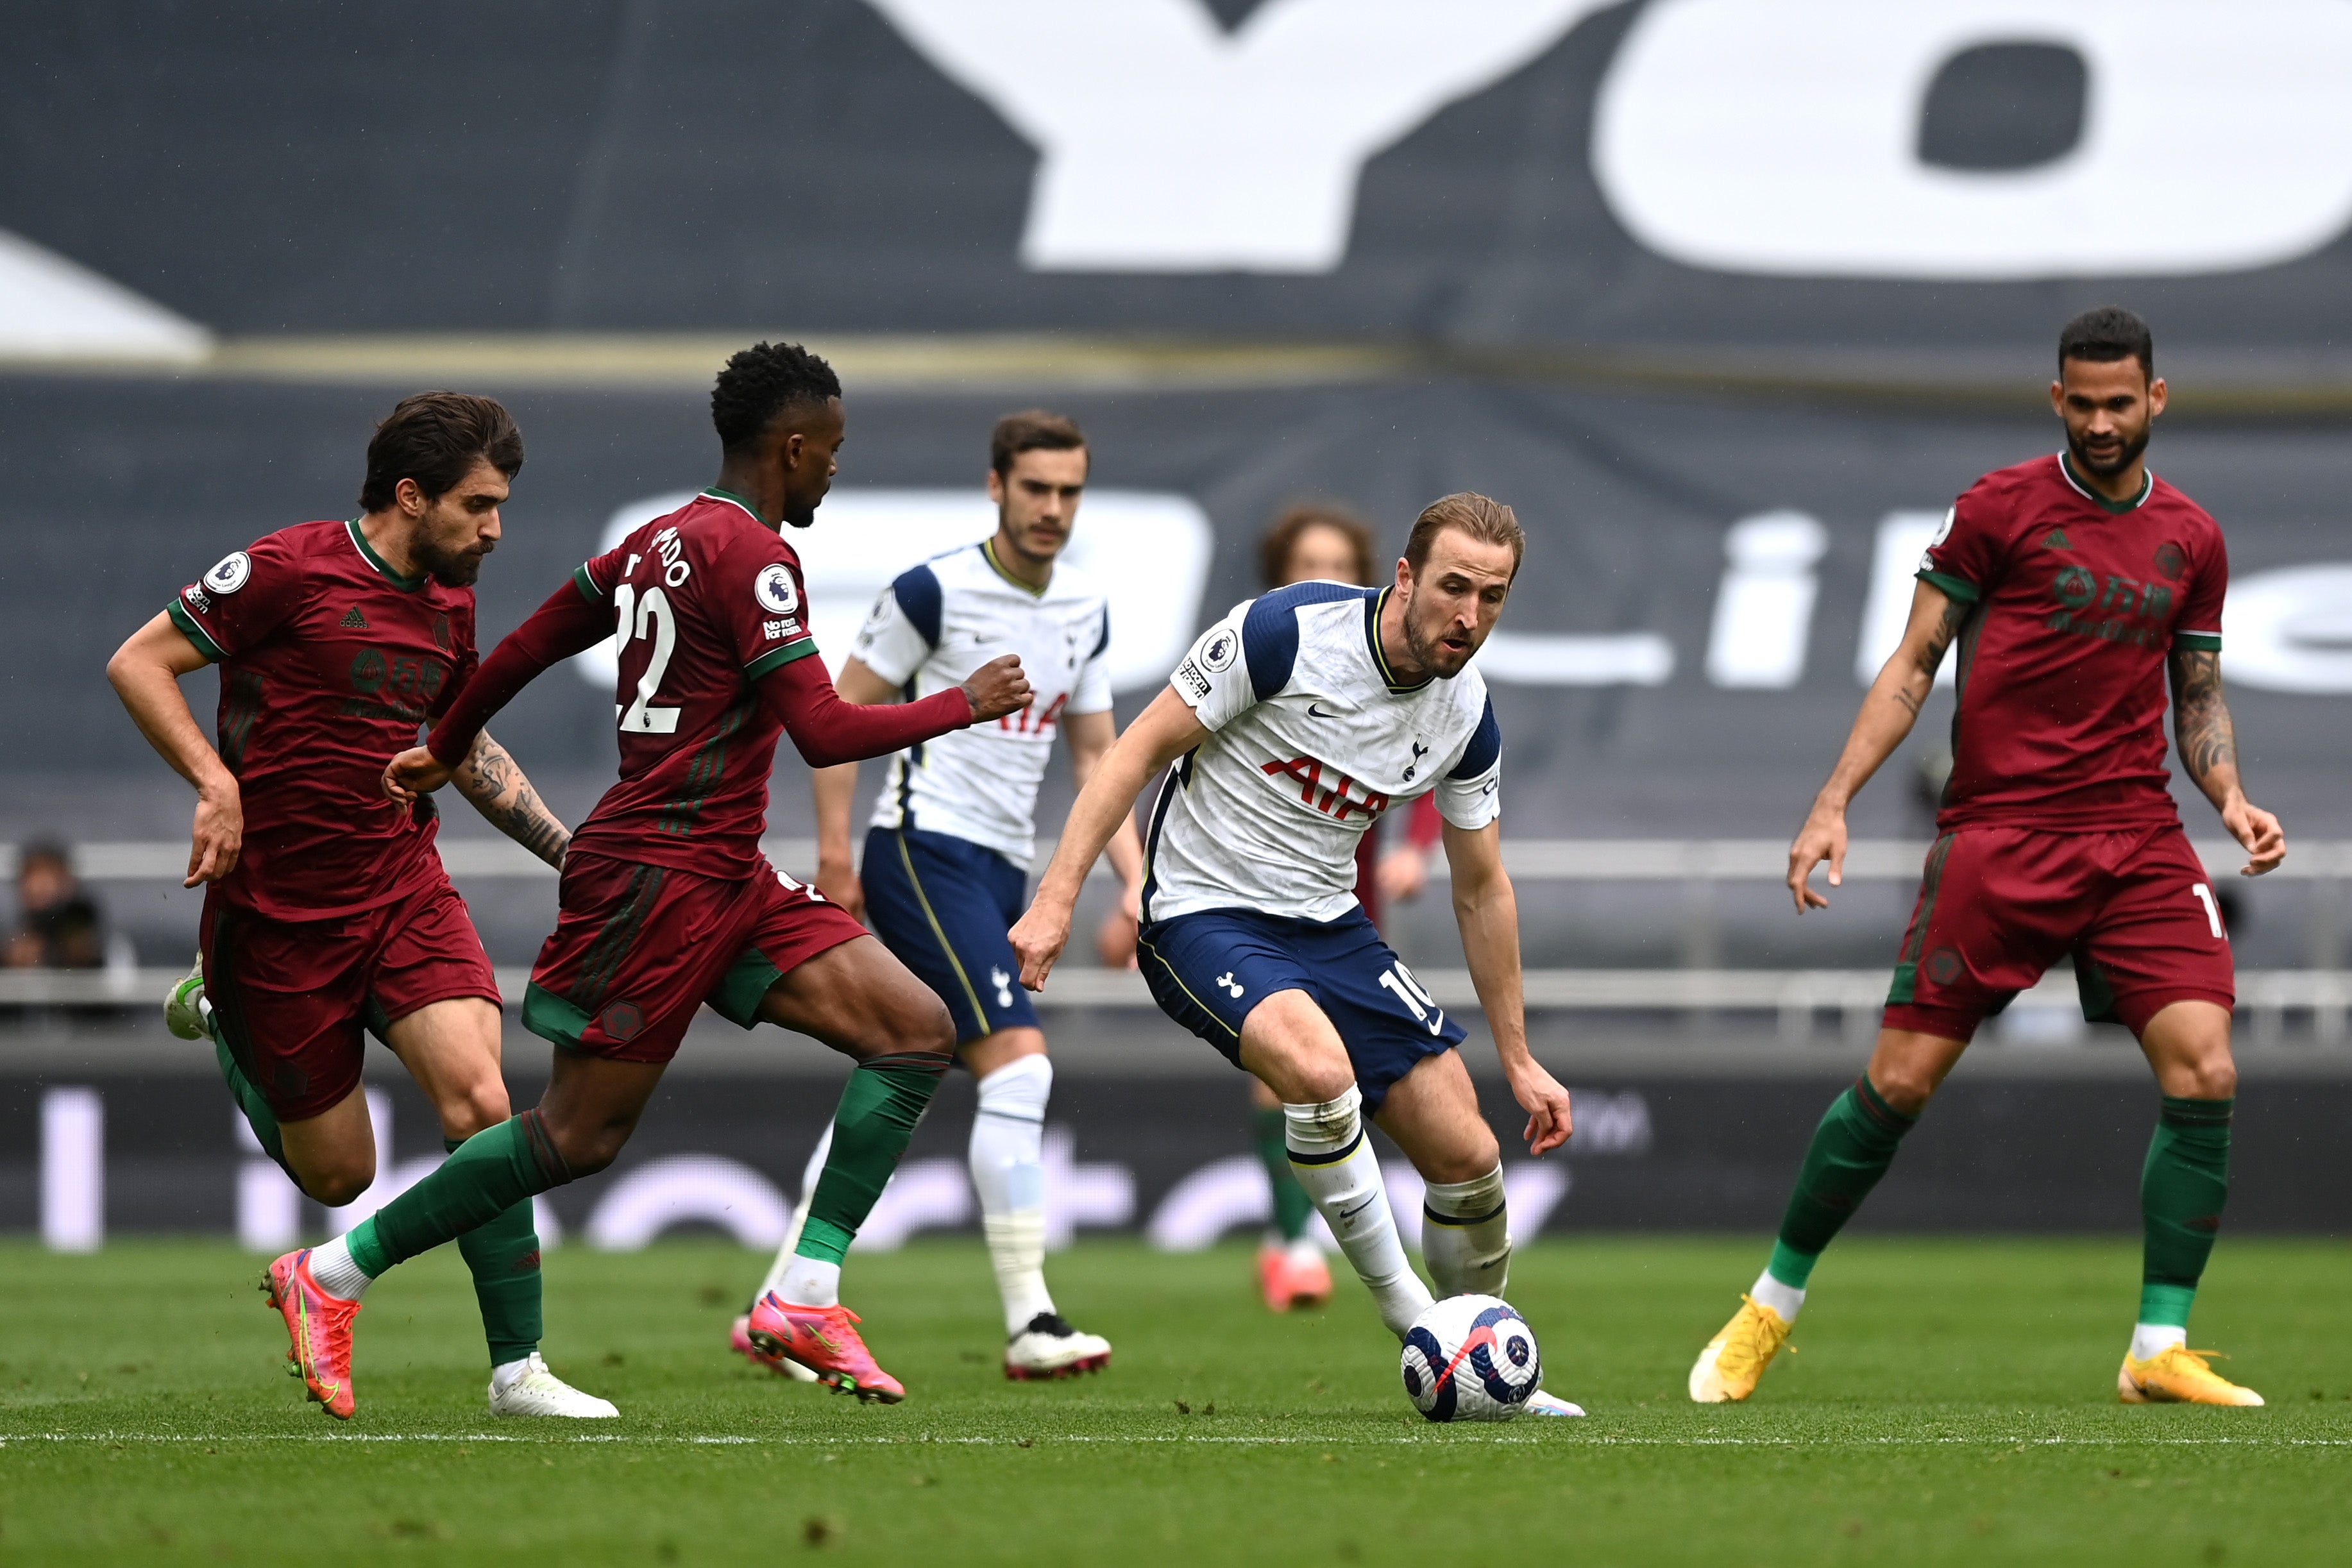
(455, 569)
(2132, 449)
(1429, 655)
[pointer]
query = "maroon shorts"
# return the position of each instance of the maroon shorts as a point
(637, 947)
(1999, 905)
(292, 996)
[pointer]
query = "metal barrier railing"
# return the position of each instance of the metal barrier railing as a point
(1794, 998)
(1528, 860)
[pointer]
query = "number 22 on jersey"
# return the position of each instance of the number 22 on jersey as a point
(646, 615)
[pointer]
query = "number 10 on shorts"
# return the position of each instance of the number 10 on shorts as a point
(1418, 1001)
(2204, 896)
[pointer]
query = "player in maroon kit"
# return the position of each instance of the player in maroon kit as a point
(326, 907)
(667, 900)
(2075, 585)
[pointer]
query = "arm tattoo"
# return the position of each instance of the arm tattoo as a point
(2201, 719)
(496, 786)
(1931, 656)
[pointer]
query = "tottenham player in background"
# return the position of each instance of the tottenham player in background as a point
(947, 856)
(1295, 722)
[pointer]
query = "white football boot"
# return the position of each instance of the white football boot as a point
(1542, 1404)
(535, 1391)
(1049, 1347)
(183, 1008)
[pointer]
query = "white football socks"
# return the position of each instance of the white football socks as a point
(2152, 1339)
(1465, 1235)
(811, 1282)
(783, 1259)
(1008, 1171)
(332, 1266)
(1785, 1300)
(1334, 1162)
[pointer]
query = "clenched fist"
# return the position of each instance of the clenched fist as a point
(997, 688)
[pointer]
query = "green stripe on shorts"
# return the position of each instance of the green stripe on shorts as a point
(735, 996)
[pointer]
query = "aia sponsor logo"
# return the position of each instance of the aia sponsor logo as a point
(1328, 789)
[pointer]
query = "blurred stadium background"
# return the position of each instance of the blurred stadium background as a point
(1728, 298)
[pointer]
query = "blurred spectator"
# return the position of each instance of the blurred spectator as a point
(57, 925)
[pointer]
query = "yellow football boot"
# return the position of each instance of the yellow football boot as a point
(2177, 1375)
(1733, 1359)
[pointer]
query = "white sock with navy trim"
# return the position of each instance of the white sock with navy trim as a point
(1334, 1162)
(1008, 1171)
(1465, 1235)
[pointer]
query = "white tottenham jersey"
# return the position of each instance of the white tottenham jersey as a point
(1311, 741)
(930, 630)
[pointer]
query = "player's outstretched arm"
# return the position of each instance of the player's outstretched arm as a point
(2208, 751)
(1090, 736)
(1888, 711)
(1164, 732)
(827, 731)
(145, 672)
(568, 622)
(833, 791)
(1487, 909)
(494, 782)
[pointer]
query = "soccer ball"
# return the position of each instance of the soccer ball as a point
(1471, 1358)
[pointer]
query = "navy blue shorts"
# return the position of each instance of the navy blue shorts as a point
(943, 904)
(1207, 970)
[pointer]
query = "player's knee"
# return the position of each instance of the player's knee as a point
(1476, 1155)
(915, 1021)
(336, 1181)
(2212, 1076)
(474, 1108)
(588, 1146)
(1906, 1086)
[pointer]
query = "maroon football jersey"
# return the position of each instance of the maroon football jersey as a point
(2073, 602)
(705, 602)
(329, 661)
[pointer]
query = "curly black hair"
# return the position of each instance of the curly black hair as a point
(761, 383)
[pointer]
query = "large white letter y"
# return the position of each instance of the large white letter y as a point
(1169, 146)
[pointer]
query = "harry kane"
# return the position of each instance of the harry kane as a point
(1294, 724)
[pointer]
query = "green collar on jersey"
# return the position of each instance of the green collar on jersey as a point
(1372, 608)
(716, 494)
(2113, 508)
(358, 538)
(987, 554)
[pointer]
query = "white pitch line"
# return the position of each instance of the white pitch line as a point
(731, 1441)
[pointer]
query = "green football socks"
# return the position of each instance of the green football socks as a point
(1850, 1150)
(1292, 1206)
(884, 1099)
(487, 1175)
(503, 1256)
(2182, 1188)
(258, 1114)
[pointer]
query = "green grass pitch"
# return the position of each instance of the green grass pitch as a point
(1949, 1402)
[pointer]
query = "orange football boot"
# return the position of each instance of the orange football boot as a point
(826, 1342)
(319, 1327)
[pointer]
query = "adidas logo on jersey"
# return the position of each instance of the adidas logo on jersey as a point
(2056, 539)
(353, 620)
